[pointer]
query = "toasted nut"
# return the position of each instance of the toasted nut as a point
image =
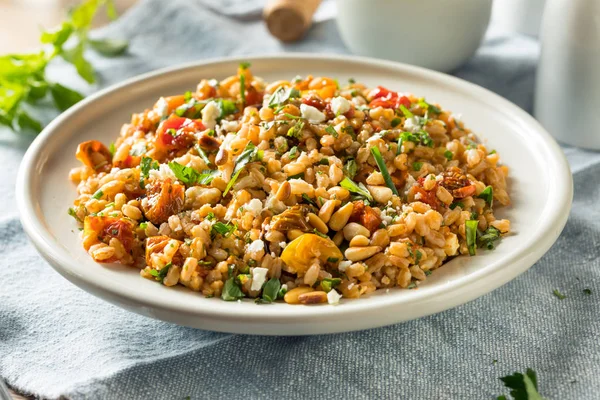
(317, 223)
(361, 253)
(327, 209)
(284, 191)
(359, 241)
(381, 194)
(340, 217)
(294, 233)
(172, 276)
(398, 261)
(222, 157)
(404, 277)
(291, 297)
(396, 230)
(417, 272)
(313, 297)
(380, 238)
(338, 238)
(354, 229)
(376, 262)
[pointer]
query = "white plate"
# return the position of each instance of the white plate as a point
(540, 186)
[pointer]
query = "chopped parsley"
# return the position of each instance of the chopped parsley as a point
(231, 290)
(296, 130)
(222, 229)
(383, 169)
(353, 187)
(190, 176)
(471, 233)
(330, 283)
(99, 193)
(331, 130)
(421, 137)
(293, 153)
(160, 275)
(245, 65)
(559, 294)
(350, 168)
(395, 122)
(146, 165)
(417, 166)
(271, 290)
(429, 107)
(488, 238)
(488, 195)
(448, 154)
(112, 149)
(281, 95)
(73, 214)
(250, 154)
(457, 204)
(522, 386)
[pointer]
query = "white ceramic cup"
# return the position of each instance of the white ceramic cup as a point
(522, 16)
(436, 34)
(567, 95)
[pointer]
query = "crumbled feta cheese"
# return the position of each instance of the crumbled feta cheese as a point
(259, 276)
(210, 113)
(340, 105)
(386, 219)
(230, 126)
(256, 246)
(333, 297)
(410, 182)
(282, 244)
(411, 124)
(359, 101)
(161, 107)
(343, 265)
(418, 196)
(254, 206)
(312, 114)
(162, 173)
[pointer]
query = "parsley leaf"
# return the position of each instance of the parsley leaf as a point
(350, 168)
(523, 386)
(353, 187)
(448, 154)
(160, 275)
(296, 130)
(329, 283)
(250, 154)
(281, 95)
(488, 237)
(245, 65)
(231, 290)
(222, 229)
(331, 130)
(417, 166)
(271, 290)
(559, 294)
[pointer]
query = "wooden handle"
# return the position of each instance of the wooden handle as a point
(288, 20)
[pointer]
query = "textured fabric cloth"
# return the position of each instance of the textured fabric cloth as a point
(57, 340)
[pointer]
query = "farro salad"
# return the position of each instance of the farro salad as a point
(303, 190)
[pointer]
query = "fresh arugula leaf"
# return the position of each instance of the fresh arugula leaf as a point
(488, 238)
(353, 187)
(523, 386)
(250, 154)
(227, 107)
(109, 47)
(187, 175)
(383, 169)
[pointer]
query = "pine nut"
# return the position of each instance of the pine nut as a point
(361, 253)
(317, 223)
(291, 297)
(340, 217)
(294, 233)
(327, 209)
(359, 241)
(284, 191)
(354, 229)
(380, 238)
(315, 297)
(381, 194)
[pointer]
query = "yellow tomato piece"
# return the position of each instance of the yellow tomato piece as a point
(300, 252)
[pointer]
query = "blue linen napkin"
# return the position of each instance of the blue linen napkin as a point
(57, 340)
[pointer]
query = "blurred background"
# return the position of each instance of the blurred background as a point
(21, 21)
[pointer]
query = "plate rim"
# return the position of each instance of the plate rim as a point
(515, 264)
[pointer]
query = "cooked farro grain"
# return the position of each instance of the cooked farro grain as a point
(248, 189)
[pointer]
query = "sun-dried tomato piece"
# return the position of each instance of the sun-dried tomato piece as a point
(457, 183)
(163, 200)
(94, 155)
(365, 216)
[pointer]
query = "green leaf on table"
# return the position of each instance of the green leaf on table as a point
(523, 386)
(57, 36)
(27, 122)
(64, 97)
(83, 66)
(109, 47)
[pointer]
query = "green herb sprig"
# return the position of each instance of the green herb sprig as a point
(23, 80)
